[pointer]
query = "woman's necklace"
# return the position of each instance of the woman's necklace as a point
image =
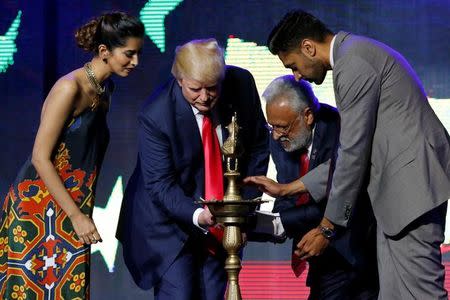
(99, 90)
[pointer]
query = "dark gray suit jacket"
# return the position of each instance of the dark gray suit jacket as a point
(389, 135)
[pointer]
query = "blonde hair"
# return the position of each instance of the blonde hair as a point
(200, 60)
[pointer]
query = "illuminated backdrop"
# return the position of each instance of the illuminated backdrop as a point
(37, 46)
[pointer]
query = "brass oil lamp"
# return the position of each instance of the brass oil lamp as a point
(232, 211)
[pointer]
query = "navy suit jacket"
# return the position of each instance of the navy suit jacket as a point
(159, 201)
(357, 243)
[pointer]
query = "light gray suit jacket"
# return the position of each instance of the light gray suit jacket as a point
(390, 136)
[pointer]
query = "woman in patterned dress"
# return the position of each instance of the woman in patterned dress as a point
(45, 224)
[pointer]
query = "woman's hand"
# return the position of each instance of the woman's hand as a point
(85, 229)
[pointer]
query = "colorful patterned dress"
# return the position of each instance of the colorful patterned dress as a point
(40, 255)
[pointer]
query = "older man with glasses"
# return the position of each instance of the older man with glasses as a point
(305, 137)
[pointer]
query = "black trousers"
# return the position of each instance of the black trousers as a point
(331, 277)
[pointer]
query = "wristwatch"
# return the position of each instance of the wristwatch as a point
(327, 232)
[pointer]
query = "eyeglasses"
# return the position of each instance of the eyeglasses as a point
(281, 130)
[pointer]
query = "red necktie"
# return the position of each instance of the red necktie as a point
(213, 171)
(299, 265)
(304, 167)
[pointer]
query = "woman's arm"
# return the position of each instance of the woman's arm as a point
(58, 107)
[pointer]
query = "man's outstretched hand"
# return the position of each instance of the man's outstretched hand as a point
(275, 189)
(266, 185)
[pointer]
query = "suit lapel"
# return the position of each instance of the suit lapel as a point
(186, 122)
(323, 139)
(314, 149)
(189, 138)
(340, 37)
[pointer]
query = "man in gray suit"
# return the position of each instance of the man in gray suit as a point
(391, 144)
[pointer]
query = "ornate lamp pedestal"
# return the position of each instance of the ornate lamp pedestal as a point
(232, 212)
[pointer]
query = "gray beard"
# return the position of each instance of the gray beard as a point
(301, 141)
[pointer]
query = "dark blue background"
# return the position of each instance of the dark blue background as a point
(419, 29)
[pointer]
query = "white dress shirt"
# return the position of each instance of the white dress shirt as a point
(331, 52)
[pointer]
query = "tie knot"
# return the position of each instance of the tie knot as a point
(304, 153)
(207, 122)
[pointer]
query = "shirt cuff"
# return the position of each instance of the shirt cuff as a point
(269, 223)
(197, 212)
(278, 229)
